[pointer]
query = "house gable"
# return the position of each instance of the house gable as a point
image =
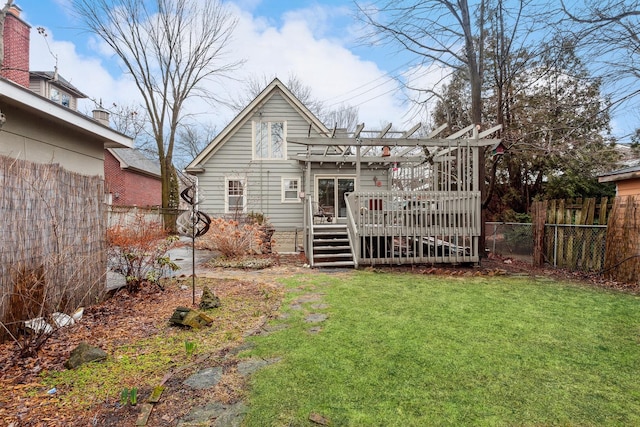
(276, 86)
(229, 166)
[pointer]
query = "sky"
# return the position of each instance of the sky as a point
(315, 41)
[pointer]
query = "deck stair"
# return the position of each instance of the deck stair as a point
(331, 247)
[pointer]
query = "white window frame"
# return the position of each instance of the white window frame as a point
(243, 181)
(283, 182)
(254, 129)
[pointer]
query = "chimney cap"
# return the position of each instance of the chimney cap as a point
(15, 10)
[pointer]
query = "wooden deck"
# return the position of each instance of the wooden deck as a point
(412, 227)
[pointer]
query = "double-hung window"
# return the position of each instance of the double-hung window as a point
(290, 190)
(269, 141)
(235, 197)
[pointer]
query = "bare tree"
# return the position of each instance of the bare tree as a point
(192, 139)
(609, 33)
(344, 116)
(447, 32)
(171, 48)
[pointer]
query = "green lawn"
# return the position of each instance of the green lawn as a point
(412, 350)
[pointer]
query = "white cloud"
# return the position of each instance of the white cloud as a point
(87, 73)
(307, 45)
(334, 73)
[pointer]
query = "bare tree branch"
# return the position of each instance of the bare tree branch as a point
(170, 48)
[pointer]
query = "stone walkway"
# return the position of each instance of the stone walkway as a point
(218, 414)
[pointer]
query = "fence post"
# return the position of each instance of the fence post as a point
(555, 245)
(539, 217)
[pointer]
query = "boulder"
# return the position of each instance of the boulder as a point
(208, 300)
(84, 353)
(187, 317)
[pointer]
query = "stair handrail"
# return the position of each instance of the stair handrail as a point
(352, 228)
(310, 236)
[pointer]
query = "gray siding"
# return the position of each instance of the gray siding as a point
(263, 177)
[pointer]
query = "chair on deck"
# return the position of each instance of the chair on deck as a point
(324, 213)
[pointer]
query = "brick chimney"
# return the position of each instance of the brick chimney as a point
(16, 39)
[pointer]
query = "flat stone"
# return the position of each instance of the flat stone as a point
(308, 298)
(250, 366)
(85, 353)
(239, 349)
(315, 330)
(232, 416)
(224, 415)
(207, 378)
(316, 318)
(320, 306)
(267, 329)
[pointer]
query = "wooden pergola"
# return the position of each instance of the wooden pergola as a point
(437, 221)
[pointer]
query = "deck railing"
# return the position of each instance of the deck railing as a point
(352, 231)
(400, 227)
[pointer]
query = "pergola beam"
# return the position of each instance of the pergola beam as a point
(411, 131)
(396, 142)
(319, 158)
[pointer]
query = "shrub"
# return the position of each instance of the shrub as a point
(139, 252)
(233, 239)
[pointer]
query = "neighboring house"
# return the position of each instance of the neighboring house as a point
(627, 180)
(363, 197)
(35, 127)
(131, 179)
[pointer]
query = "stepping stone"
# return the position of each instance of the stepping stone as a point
(320, 306)
(316, 318)
(207, 378)
(239, 349)
(250, 366)
(224, 415)
(267, 329)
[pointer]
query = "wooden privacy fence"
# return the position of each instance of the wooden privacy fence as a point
(52, 240)
(622, 260)
(571, 234)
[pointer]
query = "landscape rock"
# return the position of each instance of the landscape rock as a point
(315, 318)
(249, 366)
(185, 316)
(208, 300)
(204, 379)
(85, 353)
(224, 415)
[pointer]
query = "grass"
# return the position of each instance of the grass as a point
(410, 350)
(142, 363)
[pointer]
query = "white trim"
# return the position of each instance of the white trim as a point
(283, 199)
(243, 182)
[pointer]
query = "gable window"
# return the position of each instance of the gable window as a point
(269, 140)
(235, 197)
(290, 190)
(60, 97)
